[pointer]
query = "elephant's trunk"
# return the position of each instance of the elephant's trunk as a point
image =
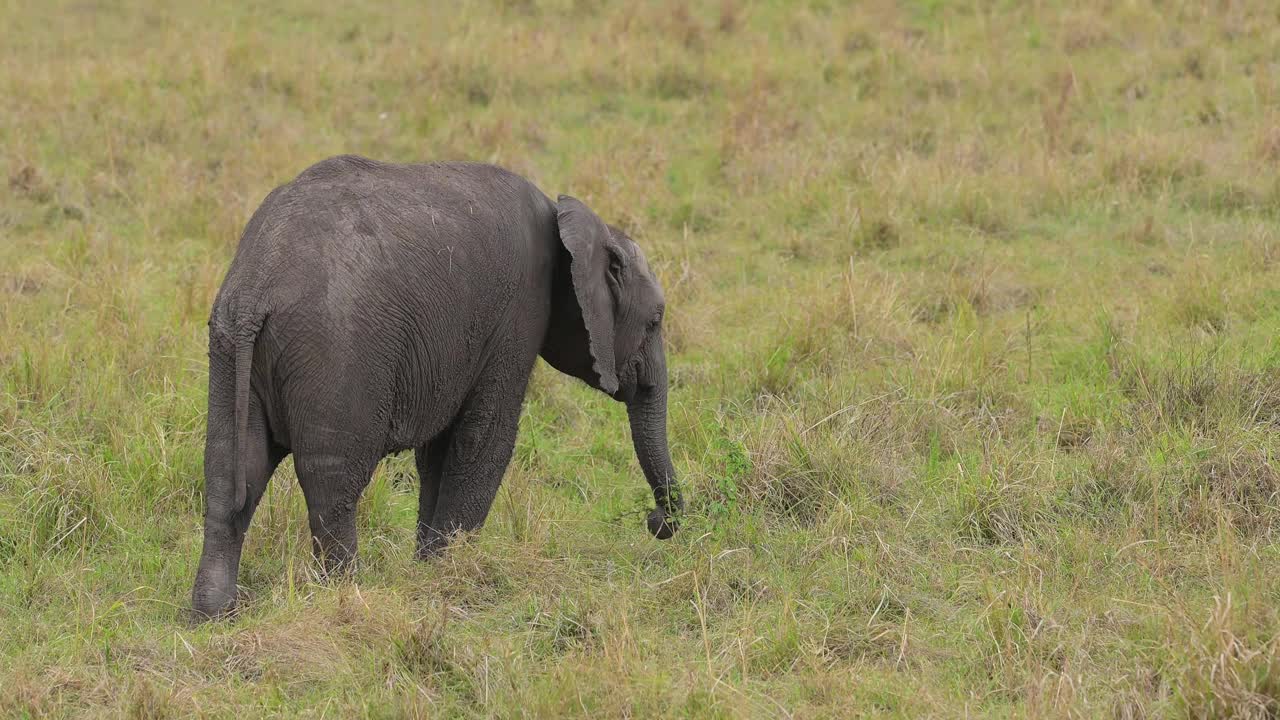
(647, 411)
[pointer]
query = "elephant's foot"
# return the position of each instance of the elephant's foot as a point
(431, 545)
(336, 556)
(214, 595)
(336, 552)
(337, 568)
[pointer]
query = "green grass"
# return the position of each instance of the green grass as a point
(973, 319)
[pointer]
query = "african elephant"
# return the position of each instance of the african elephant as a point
(373, 307)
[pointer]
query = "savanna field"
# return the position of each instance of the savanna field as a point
(972, 322)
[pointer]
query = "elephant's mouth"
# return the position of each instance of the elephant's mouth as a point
(629, 385)
(627, 392)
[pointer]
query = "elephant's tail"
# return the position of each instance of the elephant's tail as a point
(245, 337)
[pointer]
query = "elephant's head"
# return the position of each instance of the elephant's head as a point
(606, 329)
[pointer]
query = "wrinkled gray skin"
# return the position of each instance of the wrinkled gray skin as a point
(373, 308)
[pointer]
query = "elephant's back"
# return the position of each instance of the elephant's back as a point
(351, 220)
(386, 281)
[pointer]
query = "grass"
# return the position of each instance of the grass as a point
(973, 320)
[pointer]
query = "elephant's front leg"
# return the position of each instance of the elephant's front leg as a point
(474, 460)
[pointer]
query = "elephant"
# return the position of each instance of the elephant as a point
(373, 308)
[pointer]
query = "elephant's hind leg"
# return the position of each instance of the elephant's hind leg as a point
(430, 461)
(332, 484)
(224, 525)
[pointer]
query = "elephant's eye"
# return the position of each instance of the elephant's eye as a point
(615, 270)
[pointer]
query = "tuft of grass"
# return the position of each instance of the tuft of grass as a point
(1233, 668)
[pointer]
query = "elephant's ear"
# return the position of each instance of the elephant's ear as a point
(587, 239)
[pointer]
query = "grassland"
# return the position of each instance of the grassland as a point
(973, 329)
